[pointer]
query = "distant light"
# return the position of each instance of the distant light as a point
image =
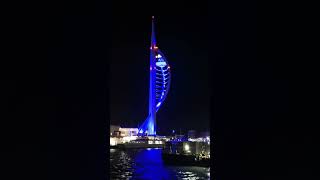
(150, 142)
(186, 147)
(150, 68)
(113, 142)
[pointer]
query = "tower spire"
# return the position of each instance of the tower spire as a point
(153, 36)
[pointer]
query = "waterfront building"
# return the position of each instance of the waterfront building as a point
(114, 129)
(124, 132)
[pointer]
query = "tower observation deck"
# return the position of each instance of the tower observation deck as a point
(160, 77)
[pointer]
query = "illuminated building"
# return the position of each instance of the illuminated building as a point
(159, 84)
(128, 131)
(118, 131)
(113, 130)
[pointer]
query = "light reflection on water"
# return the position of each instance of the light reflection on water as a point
(147, 164)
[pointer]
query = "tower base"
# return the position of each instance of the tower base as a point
(148, 127)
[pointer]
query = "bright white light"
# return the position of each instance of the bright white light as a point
(150, 142)
(129, 138)
(186, 147)
(113, 142)
(161, 64)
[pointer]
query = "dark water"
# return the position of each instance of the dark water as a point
(147, 164)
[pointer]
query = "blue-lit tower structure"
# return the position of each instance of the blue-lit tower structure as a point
(159, 84)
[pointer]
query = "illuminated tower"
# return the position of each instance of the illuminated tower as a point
(158, 86)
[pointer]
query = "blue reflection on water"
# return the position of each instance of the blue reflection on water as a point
(147, 164)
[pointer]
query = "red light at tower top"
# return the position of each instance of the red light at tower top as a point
(153, 47)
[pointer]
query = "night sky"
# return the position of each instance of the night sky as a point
(184, 41)
(72, 73)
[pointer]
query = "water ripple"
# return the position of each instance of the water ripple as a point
(142, 164)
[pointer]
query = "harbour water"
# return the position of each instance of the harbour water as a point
(147, 164)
